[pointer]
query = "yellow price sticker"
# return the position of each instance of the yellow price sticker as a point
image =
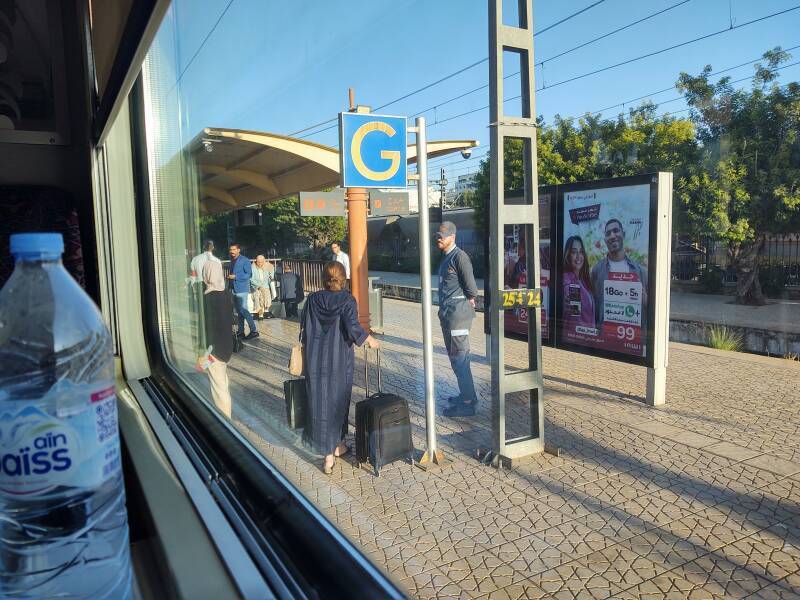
(521, 299)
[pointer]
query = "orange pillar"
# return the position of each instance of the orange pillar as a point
(359, 267)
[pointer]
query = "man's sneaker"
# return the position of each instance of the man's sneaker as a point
(454, 400)
(461, 409)
(251, 335)
(240, 334)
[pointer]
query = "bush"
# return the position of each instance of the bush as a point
(773, 279)
(711, 281)
(722, 338)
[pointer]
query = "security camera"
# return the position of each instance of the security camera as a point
(208, 146)
(466, 153)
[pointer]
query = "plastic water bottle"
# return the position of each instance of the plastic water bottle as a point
(63, 523)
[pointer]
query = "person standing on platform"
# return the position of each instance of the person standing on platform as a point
(241, 272)
(218, 321)
(200, 260)
(291, 290)
(260, 284)
(457, 293)
(329, 328)
(341, 257)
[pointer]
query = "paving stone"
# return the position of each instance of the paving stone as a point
(775, 465)
(642, 503)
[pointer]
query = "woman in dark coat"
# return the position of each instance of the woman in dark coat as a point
(218, 315)
(329, 329)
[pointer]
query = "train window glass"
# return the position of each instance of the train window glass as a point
(241, 103)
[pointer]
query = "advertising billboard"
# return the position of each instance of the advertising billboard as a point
(515, 274)
(606, 251)
(598, 259)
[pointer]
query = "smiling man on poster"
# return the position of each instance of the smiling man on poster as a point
(620, 283)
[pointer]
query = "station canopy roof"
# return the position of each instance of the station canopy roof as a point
(244, 168)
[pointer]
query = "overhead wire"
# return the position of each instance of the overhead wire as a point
(673, 47)
(203, 43)
(635, 59)
(735, 81)
(605, 35)
(571, 79)
(629, 117)
(575, 78)
(440, 80)
(567, 18)
(610, 33)
(672, 87)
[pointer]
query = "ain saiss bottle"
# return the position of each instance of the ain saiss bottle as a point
(63, 524)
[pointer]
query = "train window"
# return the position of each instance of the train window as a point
(240, 118)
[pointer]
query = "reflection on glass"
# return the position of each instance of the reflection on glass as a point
(241, 107)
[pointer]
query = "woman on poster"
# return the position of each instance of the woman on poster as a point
(578, 294)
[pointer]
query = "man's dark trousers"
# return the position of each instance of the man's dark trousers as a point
(458, 352)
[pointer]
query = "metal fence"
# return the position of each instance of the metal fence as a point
(779, 261)
(309, 270)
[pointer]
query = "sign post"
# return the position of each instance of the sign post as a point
(373, 155)
(432, 456)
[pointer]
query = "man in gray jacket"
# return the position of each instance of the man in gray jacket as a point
(457, 293)
(616, 261)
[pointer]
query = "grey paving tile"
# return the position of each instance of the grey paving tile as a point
(775, 465)
(638, 505)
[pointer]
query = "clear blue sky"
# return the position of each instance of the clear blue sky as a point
(282, 66)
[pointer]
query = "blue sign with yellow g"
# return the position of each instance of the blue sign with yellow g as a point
(372, 151)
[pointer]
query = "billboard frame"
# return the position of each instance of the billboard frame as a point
(654, 263)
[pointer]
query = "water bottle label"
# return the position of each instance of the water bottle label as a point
(41, 449)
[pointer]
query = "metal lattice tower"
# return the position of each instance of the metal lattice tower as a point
(512, 41)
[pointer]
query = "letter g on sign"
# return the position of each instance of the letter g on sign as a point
(391, 155)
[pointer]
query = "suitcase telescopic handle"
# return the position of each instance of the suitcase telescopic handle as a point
(366, 370)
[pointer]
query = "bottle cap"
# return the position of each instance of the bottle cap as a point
(37, 244)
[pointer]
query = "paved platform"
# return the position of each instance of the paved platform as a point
(698, 499)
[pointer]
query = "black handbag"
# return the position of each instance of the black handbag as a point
(294, 391)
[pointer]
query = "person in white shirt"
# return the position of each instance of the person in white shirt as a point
(199, 261)
(340, 256)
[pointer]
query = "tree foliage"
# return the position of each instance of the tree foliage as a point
(736, 160)
(746, 184)
(281, 228)
(590, 148)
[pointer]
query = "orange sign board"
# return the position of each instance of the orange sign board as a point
(323, 204)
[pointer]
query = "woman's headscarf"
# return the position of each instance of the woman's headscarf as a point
(213, 277)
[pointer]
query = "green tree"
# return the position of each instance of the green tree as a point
(747, 183)
(283, 225)
(591, 148)
(215, 228)
(281, 228)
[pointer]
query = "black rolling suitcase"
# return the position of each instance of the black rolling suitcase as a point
(296, 396)
(383, 427)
